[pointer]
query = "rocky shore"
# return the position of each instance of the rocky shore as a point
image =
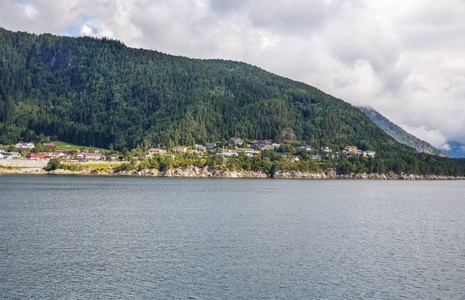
(363, 176)
(330, 174)
(22, 171)
(219, 172)
(191, 172)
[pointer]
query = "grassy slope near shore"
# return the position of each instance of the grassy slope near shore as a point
(69, 146)
(15, 167)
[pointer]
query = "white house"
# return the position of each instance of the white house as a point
(153, 151)
(326, 149)
(369, 153)
(295, 159)
(194, 151)
(237, 140)
(200, 148)
(228, 152)
(179, 149)
(55, 155)
(25, 145)
(90, 156)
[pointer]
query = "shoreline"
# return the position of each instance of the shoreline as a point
(219, 173)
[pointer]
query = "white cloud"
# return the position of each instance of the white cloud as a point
(404, 58)
(433, 136)
(86, 30)
(30, 11)
(445, 147)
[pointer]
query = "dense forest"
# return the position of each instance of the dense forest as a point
(100, 92)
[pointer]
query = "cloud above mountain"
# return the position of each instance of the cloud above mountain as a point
(404, 58)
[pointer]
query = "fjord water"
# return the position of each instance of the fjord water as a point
(204, 238)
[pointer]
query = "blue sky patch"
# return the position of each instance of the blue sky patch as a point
(72, 31)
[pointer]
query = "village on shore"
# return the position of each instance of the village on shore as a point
(209, 160)
(236, 145)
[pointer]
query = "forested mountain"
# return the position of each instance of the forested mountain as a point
(399, 134)
(99, 92)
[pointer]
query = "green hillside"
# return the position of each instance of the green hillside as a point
(100, 92)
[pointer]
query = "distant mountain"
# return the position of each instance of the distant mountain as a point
(399, 134)
(456, 149)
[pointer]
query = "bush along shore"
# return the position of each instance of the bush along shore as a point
(221, 172)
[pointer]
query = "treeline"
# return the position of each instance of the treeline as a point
(271, 161)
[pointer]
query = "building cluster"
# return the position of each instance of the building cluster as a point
(64, 154)
(56, 153)
(353, 150)
(9, 155)
(252, 149)
(256, 147)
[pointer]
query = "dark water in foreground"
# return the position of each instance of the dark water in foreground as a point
(183, 238)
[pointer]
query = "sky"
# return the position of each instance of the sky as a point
(406, 59)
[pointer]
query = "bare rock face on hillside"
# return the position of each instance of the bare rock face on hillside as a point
(287, 135)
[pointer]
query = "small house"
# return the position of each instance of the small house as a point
(351, 148)
(179, 149)
(153, 151)
(237, 140)
(326, 149)
(40, 155)
(200, 148)
(369, 153)
(15, 155)
(263, 145)
(6, 155)
(55, 155)
(250, 151)
(90, 156)
(295, 159)
(228, 152)
(22, 145)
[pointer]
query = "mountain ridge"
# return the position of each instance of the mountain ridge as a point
(399, 134)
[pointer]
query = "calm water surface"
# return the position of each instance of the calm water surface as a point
(192, 238)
